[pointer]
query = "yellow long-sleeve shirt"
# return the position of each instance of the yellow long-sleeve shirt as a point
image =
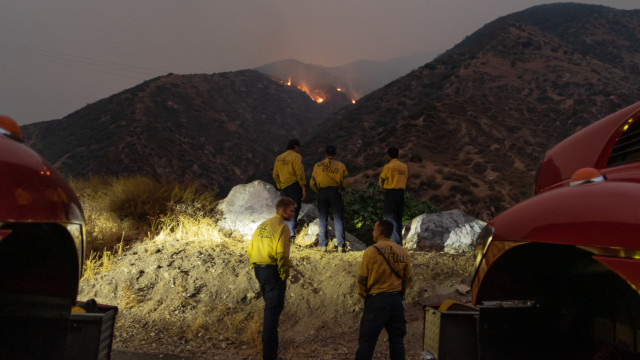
(394, 175)
(270, 245)
(288, 169)
(329, 172)
(375, 276)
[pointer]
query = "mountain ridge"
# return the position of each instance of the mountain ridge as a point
(356, 78)
(182, 128)
(472, 124)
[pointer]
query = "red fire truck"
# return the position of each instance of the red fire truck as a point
(557, 276)
(42, 244)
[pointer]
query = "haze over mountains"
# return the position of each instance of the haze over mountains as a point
(356, 79)
(471, 124)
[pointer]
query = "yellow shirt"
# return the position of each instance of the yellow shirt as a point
(375, 276)
(270, 245)
(288, 169)
(328, 172)
(394, 175)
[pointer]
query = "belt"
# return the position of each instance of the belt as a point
(329, 188)
(387, 293)
(265, 265)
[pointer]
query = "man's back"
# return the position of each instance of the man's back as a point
(394, 175)
(384, 274)
(386, 266)
(327, 173)
(288, 169)
(270, 245)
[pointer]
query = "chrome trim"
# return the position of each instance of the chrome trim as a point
(612, 252)
(77, 232)
(482, 243)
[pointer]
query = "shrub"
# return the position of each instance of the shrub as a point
(363, 207)
(128, 209)
(479, 168)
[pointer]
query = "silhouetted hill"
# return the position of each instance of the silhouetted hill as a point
(356, 79)
(217, 130)
(474, 123)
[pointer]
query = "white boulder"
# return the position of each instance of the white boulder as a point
(453, 232)
(248, 205)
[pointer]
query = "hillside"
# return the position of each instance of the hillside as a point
(216, 130)
(196, 300)
(356, 79)
(474, 123)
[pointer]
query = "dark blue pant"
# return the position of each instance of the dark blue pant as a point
(273, 289)
(382, 311)
(294, 191)
(393, 209)
(330, 198)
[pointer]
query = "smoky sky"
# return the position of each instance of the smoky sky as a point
(58, 56)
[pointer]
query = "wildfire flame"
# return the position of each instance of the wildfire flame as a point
(316, 95)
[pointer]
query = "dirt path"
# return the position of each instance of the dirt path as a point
(181, 300)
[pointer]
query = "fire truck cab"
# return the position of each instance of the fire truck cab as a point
(42, 240)
(557, 276)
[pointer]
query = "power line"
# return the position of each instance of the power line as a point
(81, 62)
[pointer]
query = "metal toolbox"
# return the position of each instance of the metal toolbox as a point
(90, 335)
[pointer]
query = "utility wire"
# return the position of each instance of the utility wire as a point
(81, 62)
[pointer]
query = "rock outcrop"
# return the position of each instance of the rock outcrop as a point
(248, 205)
(453, 232)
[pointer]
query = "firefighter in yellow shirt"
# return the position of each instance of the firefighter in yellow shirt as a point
(269, 256)
(383, 277)
(394, 180)
(288, 174)
(328, 180)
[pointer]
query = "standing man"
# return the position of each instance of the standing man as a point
(383, 277)
(328, 179)
(288, 174)
(269, 256)
(394, 180)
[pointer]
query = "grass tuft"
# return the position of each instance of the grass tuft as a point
(120, 211)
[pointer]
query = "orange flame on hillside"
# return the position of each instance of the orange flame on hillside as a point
(316, 95)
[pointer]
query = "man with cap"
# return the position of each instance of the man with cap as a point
(288, 174)
(393, 180)
(328, 179)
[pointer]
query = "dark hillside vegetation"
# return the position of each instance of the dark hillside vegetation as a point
(214, 130)
(473, 124)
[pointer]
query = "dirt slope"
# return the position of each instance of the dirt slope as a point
(201, 301)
